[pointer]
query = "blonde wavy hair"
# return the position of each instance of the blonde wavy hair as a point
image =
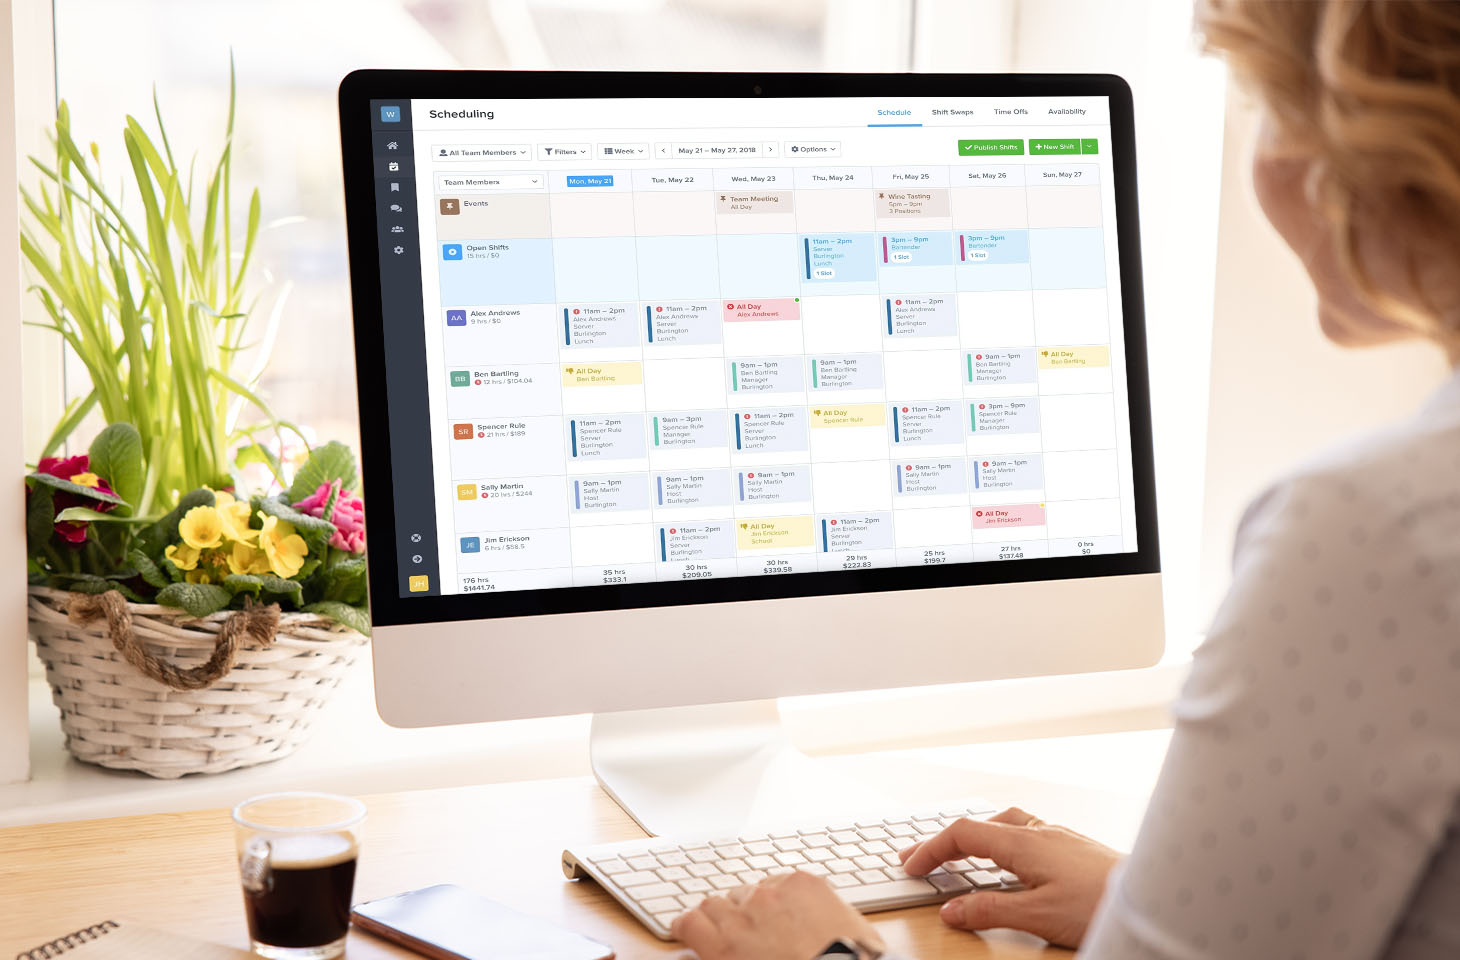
(1370, 91)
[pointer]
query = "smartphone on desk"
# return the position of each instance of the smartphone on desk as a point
(447, 922)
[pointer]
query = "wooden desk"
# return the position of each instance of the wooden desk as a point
(177, 872)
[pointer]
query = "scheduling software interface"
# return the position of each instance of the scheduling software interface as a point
(685, 339)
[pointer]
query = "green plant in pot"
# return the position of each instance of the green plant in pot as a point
(146, 276)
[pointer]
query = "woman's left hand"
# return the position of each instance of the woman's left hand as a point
(793, 916)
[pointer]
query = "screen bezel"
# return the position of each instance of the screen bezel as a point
(388, 608)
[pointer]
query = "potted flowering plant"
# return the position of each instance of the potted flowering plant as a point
(188, 622)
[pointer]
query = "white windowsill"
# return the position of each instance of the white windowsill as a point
(1019, 728)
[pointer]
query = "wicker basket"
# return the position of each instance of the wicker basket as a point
(115, 716)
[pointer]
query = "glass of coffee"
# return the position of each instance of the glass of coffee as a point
(296, 855)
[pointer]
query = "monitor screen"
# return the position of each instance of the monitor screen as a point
(661, 341)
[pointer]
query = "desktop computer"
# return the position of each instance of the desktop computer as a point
(680, 393)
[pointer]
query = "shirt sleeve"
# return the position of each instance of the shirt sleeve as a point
(1303, 792)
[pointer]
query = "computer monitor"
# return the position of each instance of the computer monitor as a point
(686, 389)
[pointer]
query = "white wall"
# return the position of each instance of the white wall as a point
(1280, 392)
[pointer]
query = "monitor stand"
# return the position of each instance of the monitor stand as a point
(712, 771)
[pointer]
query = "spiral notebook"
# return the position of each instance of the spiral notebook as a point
(116, 941)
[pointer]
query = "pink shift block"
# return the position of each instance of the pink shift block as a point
(1009, 515)
(744, 311)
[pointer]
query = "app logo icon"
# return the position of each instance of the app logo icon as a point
(461, 431)
(471, 545)
(461, 378)
(450, 251)
(389, 114)
(450, 207)
(456, 318)
(420, 583)
(466, 491)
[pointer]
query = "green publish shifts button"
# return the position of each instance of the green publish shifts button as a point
(1089, 145)
(983, 148)
(1053, 147)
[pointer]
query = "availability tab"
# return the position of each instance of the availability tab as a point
(1056, 147)
(1003, 148)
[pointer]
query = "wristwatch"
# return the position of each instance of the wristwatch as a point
(844, 947)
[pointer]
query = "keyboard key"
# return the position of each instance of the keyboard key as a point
(612, 867)
(815, 869)
(847, 850)
(653, 890)
(871, 876)
(983, 879)
(790, 843)
(733, 866)
(876, 847)
(868, 862)
(644, 863)
(692, 900)
(872, 833)
(1008, 877)
(695, 885)
(895, 872)
(816, 840)
(950, 883)
(703, 855)
(790, 859)
(892, 859)
(783, 834)
(662, 905)
(956, 813)
(673, 873)
(864, 824)
(760, 863)
(928, 826)
(819, 856)
(669, 848)
(842, 880)
(761, 847)
(672, 859)
(846, 836)
(754, 838)
(751, 877)
(702, 869)
(892, 892)
(725, 842)
(732, 850)
(779, 871)
(983, 863)
(636, 879)
(666, 920)
(841, 866)
(901, 830)
(724, 882)
(812, 830)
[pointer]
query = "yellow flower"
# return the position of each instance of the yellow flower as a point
(284, 548)
(87, 479)
(201, 528)
(198, 576)
(182, 556)
(247, 559)
(234, 518)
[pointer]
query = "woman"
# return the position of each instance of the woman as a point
(1310, 801)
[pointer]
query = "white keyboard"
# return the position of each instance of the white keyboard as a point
(657, 879)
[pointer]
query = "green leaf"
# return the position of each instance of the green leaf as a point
(355, 618)
(237, 583)
(88, 515)
(40, 511)
(92, 493)
(345, 581)
(146, 569)
(326, 464)
(198, 599)
(116, 456)
(316, 532)
(291, 590)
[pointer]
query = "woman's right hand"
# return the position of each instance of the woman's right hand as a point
(1063, 872)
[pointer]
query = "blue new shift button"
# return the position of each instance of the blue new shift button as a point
(591, 180)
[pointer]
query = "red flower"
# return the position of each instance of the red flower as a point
(78, 470)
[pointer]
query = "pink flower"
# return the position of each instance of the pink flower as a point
(78, 470)
(348, 516)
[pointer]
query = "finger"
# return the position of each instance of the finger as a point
(906, 852)
(738, 895)
(1000, 842)
(1015, 817)
(720, 910)
(698, 931)
(990, 909)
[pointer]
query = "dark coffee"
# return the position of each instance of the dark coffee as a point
(297, 893)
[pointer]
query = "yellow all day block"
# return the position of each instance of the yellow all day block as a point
(774, 533)
(625, 374)
(852, 415)
(1073, 358)
(466, 491)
